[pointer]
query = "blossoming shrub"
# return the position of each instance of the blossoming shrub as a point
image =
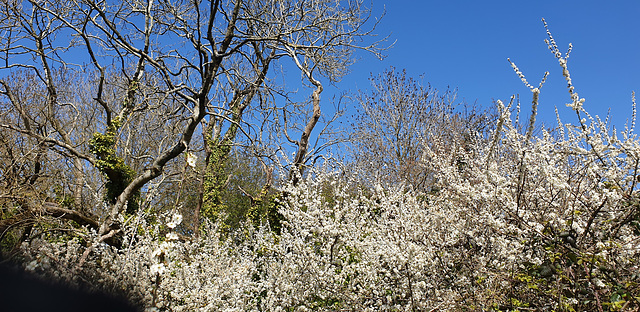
(554, 218)
(156, 271)
(517, 222)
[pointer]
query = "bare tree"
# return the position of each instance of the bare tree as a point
(155, 72)
(400, 121)
(318, 37)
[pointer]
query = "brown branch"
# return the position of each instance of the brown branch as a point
(49, 209)
(303, 144)
(32, 214)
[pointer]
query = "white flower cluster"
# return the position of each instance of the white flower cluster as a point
(191, 159)
(176, 219)
(512, 213)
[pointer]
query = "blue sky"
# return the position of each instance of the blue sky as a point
(465, 45)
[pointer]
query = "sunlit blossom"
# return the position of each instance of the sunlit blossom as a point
(158, 268)
(191, 159)
(175, 221)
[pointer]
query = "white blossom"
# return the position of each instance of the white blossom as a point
(158, 268)
(172, 236)
(175, 221)
(191, 159)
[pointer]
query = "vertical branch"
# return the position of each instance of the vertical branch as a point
(303, 143)
(522, 168)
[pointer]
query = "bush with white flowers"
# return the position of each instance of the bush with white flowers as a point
(517, 222)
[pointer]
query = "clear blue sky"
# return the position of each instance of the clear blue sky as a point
(465, 44)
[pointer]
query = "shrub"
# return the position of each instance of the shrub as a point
(517, 222)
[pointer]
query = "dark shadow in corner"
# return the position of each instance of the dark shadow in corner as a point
(21, 291)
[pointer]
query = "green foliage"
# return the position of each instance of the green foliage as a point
(228, 175)
(577, 280)
(63, 199)
(321, 303)
(118, 174)
(11, 236)
(9, 241)
(215, 181)
(266, 211)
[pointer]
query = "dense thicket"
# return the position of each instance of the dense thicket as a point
(155, 171)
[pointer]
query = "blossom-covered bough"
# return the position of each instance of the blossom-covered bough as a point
(526, 222)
